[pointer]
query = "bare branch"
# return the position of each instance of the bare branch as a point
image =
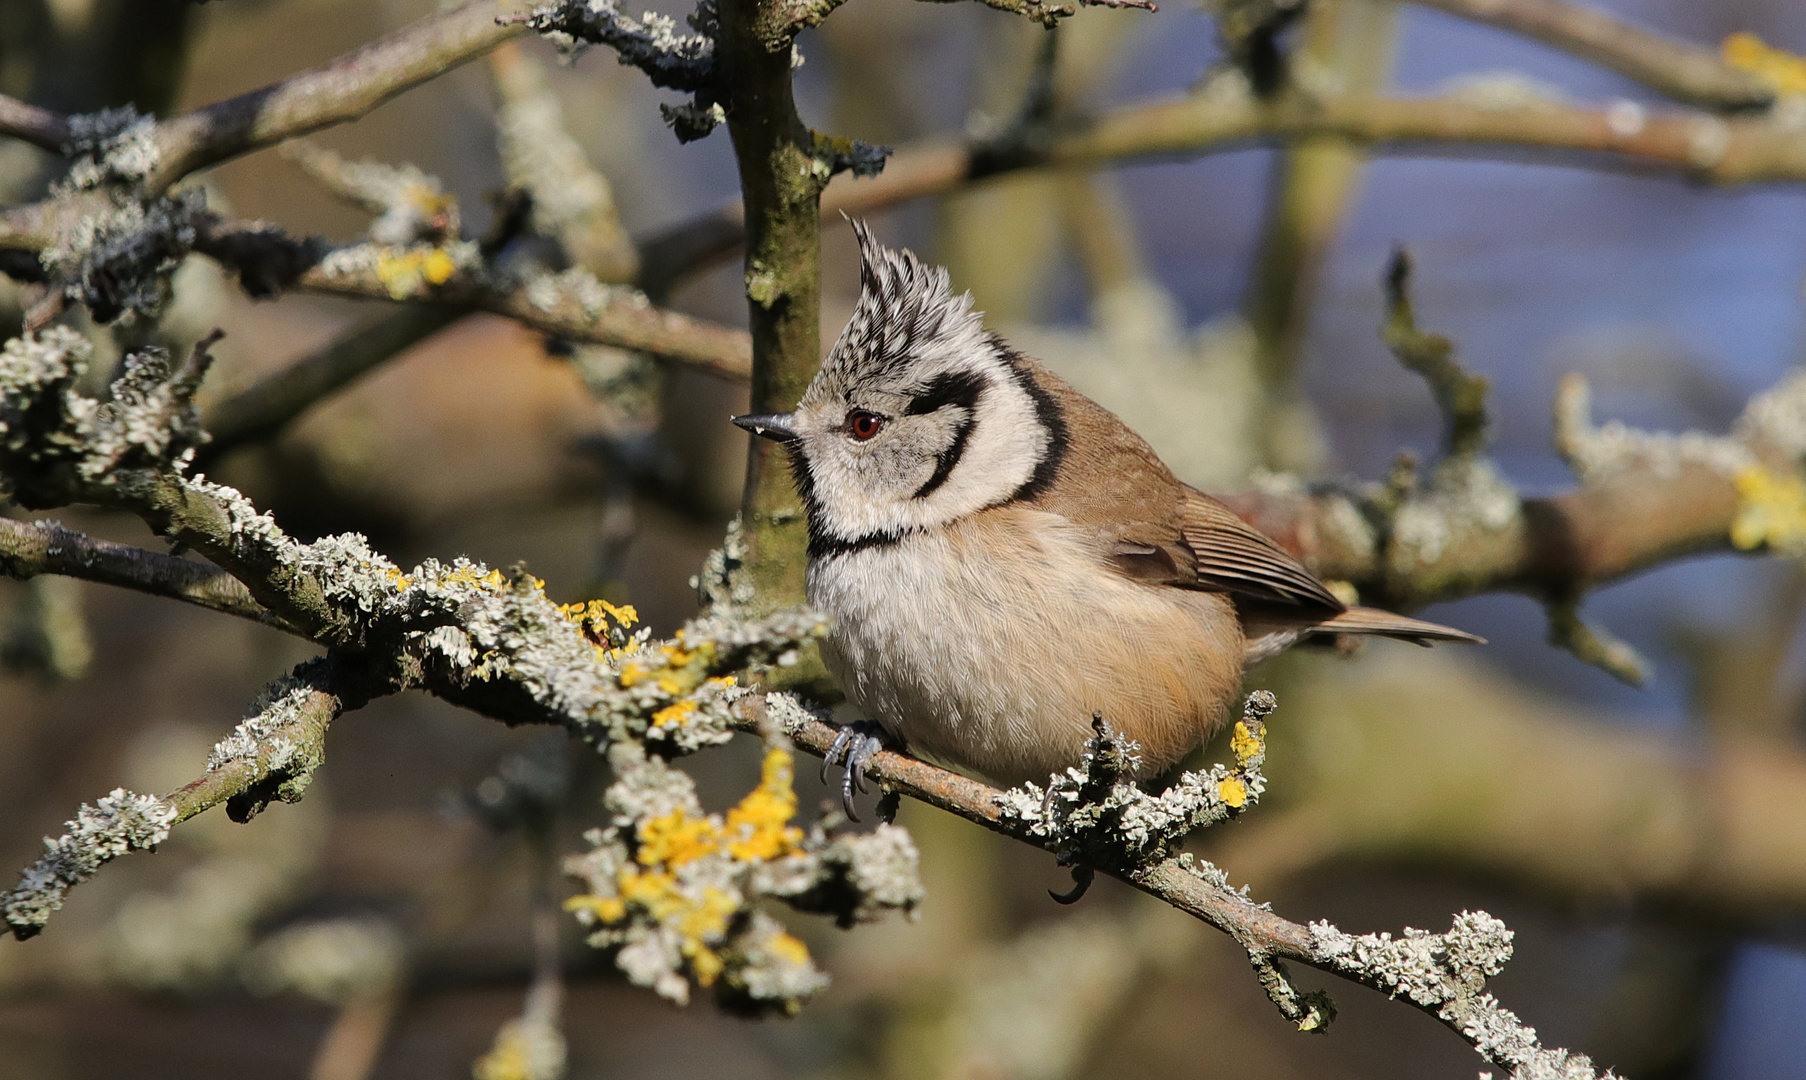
(40, 127)
(1681, 70)
(262, 409)
(342, 90)
(46, 547)
(1049, 13)
(1224, 115)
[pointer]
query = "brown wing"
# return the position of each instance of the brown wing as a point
(1162, 531)
(1235, 557)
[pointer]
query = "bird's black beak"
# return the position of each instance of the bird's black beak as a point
(778, 427)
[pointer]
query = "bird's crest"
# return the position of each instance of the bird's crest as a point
(908, 319)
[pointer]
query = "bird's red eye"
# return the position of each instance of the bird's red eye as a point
(863, 425)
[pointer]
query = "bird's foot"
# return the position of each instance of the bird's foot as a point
(853, 748)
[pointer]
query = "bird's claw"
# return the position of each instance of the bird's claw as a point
(1082, 877)
(853, 748)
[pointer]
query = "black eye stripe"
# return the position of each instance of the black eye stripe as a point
(961, 388)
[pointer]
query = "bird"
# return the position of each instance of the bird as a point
(1002, 559)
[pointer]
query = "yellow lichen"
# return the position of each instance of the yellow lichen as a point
(406, 272)
(677, 838)
(1233, 792)
(1771, 511)
(607, 909)
(704, 961)
(1245, 743)
(604, 624)
(759, 827)
(788, 949)
(1779, 70)
(511, 1058)
(675, 715)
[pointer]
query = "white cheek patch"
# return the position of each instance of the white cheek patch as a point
(859, 496)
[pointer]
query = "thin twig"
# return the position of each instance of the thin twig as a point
(46, 547)
(1460, 394)
(1697, 146)
(1679, 69)
(262, 409)
(341, 90)
(270, 756)
(40, 127)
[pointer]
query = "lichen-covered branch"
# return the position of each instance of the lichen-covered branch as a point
(570, 304)
(272, 755)
(1682, 70)
(1443, 975)
(1460, 394)
(46, 547)
(1643, 499)
(674, 61)
(411, 206)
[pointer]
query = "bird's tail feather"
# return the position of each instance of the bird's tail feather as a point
(1366, 620)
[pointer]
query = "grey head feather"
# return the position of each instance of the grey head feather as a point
(907, 322)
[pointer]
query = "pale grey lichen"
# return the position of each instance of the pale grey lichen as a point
(110, 146)
(1447, 973)
(411, 206)
(1708, 139)
(551, 292)
(283, 740)
(1597, 452)
(1776, 418)
(572, 201)
(121, 822)
(331, 961)
(1093, 815)
(119, 260)
(1505, 91)
(1466, 495)
(55, 440)
(721, 588)
(674, 61)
